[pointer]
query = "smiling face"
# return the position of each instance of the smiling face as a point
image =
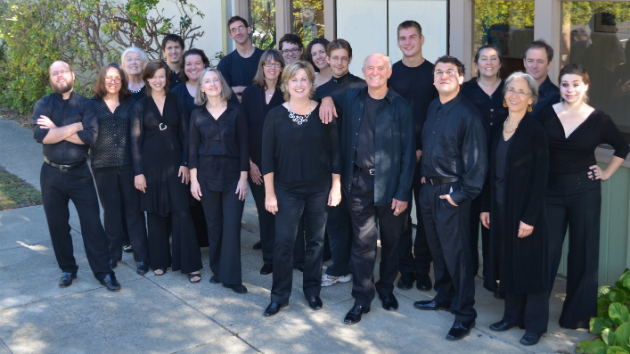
(446, 78)
(291, 52)
(211, 84)
(133, 63)
(299, 86)
(536, 63)
(376, 71)
(272, 69)
(172, 52)
(193, 66)
(410, 41)
(158, 81)
(113, 81)
(318, 53)
(339, 61)
(61, 77)
(488, 63)
(239, 33)
(517, 95)
(572, 88)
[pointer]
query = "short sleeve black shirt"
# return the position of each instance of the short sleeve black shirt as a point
(239, 71)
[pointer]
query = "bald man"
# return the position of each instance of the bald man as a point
(379, 156)
(65, 123)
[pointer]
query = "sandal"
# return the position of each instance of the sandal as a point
(155, 271)
(191, 276)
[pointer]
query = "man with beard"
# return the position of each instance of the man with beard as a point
(239, 67)
(66, 124)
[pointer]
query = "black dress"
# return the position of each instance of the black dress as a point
(159, 148)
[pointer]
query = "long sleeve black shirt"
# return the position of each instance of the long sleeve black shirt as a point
(490, 106)
(338, 85)
(416, 86)
(62, 112)
(112, 147)
(181, 91)
(548, 94)
(394, 145)
(239, 71)
(298, 153)
(218, 147)
(454, 145)
(256, 109)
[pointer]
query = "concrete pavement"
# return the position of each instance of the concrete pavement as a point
(167, 314)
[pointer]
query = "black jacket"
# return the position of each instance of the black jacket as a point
(395, 146)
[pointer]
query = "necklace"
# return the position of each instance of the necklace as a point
(135, 91)
(510, 131)
(299, 119)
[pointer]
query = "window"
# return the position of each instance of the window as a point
(308, 19)
(595, 34)
(263, 18)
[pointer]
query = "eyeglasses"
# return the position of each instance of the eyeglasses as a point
(272, 65)
(449, 72)
(115, 80)
(291, 51)
(519, 93)
(237, 29)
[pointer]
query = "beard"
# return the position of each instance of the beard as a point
(63, 88)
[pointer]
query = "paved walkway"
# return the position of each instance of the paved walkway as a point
(167, 314)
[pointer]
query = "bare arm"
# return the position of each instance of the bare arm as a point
(74, 138)
(58, 134)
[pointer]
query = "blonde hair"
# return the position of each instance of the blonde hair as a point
(200, 96)
(289, 73)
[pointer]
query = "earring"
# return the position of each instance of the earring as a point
(504, 104)
(529, 108)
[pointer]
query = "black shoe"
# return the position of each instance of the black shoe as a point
(214, 279)
(266, 269)
(300, 268)
(113, 264)
(314, 302)
(423, 283)
(460, 330)
(127, 248)
(529, 338)
(257, 246)
(66, 279)
(239, 288)
(110, 282)
(389, 301)
(273, 309)
(501, 326)
(142, 268)
(431, 305)
(354, 315)
(406, 281)
(499, 295)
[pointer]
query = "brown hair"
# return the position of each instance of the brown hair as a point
(149, 71)
(539, 44)
(579, 70)
(100, 91)
(289, 73)
(259, 78)
(307, 54)
(236, 19)
(409, 24)
(339, 44)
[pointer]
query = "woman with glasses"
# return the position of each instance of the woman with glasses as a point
(514, 212)
(113, 170)
(316, 56)
(159, 135)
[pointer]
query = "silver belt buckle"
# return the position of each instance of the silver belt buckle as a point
(162, 126)
(372, 171)
(431, 181)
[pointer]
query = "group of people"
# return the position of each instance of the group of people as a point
(333, 162)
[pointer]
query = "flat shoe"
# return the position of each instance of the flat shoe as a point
(354, 315)
(142, 268)
(266, 269)
(431, 305)
(530, 338)
(315, 302)
(239, 288)
(406, 281)
(273, 309)
(389, 301)
(423, 283)
(113, 264)
(501, 326)
(460, 330)
(257, 246)
(214, 279)
(66, 279)
(191, 276)
(111, 282)
(159, 275)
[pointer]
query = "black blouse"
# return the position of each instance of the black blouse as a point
(490, 106)
(218, 147)
(113, 142)
(500, 169)
(138, 95)
(576, 153)
(256, 109)
(297, 153)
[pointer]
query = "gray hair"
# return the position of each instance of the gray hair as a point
(531, 83)
(388, 60)
(133, 49)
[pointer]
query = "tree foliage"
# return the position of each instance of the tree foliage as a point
(263, 23)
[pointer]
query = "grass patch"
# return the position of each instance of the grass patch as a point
(16, 193)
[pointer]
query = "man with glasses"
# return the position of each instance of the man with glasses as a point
(239, 67)
(412, 78)
(454, 166)
(65, 123)
(291, 47)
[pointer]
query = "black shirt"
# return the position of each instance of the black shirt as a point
(298, 153)
(182, 91)
(501, 169)
(454, 145)
(364, 157)
(239, 71)
(548, 94)
(338, 85)
(416, 86)
(175, 80)
(256, 109)
(112, 147)
(577, 152)
(218, 147)
(62, 112)
(490, 106)
(138, 95)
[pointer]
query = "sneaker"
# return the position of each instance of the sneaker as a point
(127, 248)
(328, 280)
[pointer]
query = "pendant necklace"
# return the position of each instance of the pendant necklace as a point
(299, 119)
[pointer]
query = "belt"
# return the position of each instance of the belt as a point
(441, 181)
(368, 171)
(63, 167)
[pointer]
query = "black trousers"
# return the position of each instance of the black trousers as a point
(223, 216)
(364, 215)
(447, 229)
(267, 226)
(115, 189)
(199, 220)
(574, 201)
(297, 199)
(475, 223)
(59, 187)
(339, 238)
(418, 262)
(529, 310)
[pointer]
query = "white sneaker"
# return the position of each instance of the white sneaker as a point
(328, 280)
